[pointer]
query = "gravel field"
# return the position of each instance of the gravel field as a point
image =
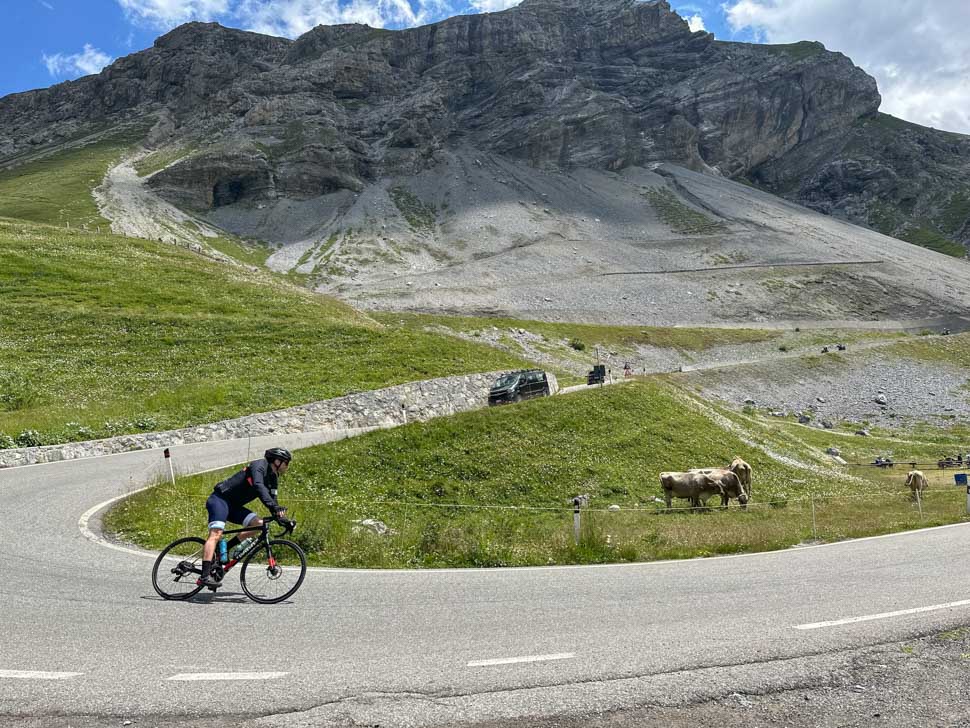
(485, 234)
(830, 388)
(870, 389)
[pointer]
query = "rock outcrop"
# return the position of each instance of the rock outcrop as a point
(558, 84)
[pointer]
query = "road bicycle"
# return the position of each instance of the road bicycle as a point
(272, 570)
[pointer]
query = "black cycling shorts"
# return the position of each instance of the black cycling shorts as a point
(220, 511)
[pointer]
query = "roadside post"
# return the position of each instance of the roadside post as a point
(576, 503)
(814, 522)
(171, 470)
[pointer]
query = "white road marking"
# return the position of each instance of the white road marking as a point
(85, 518)
(530, 658)
(34, 675)
(883, 615)
(228, 676)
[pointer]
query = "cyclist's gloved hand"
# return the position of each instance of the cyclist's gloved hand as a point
(280, 513)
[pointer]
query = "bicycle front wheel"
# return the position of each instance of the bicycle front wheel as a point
(177, 569)
(273, 572)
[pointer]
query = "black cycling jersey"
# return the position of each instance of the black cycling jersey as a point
(256, 480)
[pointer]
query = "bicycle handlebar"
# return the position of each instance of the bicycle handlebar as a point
(288, 524)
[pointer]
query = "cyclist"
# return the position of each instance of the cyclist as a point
(259, 479)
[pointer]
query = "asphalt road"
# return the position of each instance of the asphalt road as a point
(84, 633)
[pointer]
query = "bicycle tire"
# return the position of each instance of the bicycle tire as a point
(190, 549)
(266, 581)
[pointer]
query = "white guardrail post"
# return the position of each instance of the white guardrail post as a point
(171, 469)
(576, 517)
(814, 522)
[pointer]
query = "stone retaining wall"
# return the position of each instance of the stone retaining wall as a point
(379, 408)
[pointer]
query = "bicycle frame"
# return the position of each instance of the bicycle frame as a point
(261, 540)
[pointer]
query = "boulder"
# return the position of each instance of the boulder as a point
(373, 526)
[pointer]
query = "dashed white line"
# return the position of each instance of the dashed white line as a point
(529, 658)
(228, 676)
(36, 675)
(883, 615)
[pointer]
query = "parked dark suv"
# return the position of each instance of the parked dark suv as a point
(525, 384)
(597, 375)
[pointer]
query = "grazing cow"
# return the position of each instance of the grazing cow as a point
(743, 471)
(694, 486)
(916, 482)
(739, 468)
(728, 485)
(731, 486)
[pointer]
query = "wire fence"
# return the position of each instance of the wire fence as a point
(406, 533)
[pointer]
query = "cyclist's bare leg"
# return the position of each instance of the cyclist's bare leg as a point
(209, 550)
(249, 534)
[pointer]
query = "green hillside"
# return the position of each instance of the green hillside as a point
(56, 189)
(492, 488)
(101, 335)
(104, 335)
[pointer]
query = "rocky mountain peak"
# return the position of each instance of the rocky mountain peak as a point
(558, 84)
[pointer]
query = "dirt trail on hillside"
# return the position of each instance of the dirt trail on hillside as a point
(135, 211)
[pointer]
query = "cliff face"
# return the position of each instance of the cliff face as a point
(898, 178)
(555, 83)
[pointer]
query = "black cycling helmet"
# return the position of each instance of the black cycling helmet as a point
(278, 453)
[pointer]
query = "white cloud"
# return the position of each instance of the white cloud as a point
(493, 6)
(169, 13)
(88, 61)
(916, 50)
(291, 18)
(696, 22)
(46, 4)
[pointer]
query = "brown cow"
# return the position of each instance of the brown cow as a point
(739, 468)
(916, 482)
(743, 471)
(694, 486)
(728, 483)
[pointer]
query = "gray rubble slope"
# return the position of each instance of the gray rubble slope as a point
(588, 245)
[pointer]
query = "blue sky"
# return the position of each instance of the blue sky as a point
(43, 42)
(918, 51)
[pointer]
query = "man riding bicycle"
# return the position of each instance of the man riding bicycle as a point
(259, 479)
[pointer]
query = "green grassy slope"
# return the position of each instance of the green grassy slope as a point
(57, 189)
(102, 334)
(492, 488)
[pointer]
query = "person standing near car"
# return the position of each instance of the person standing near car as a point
(259, 479)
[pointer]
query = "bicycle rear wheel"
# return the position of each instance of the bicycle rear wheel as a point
(177, 569)
(273, 572)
